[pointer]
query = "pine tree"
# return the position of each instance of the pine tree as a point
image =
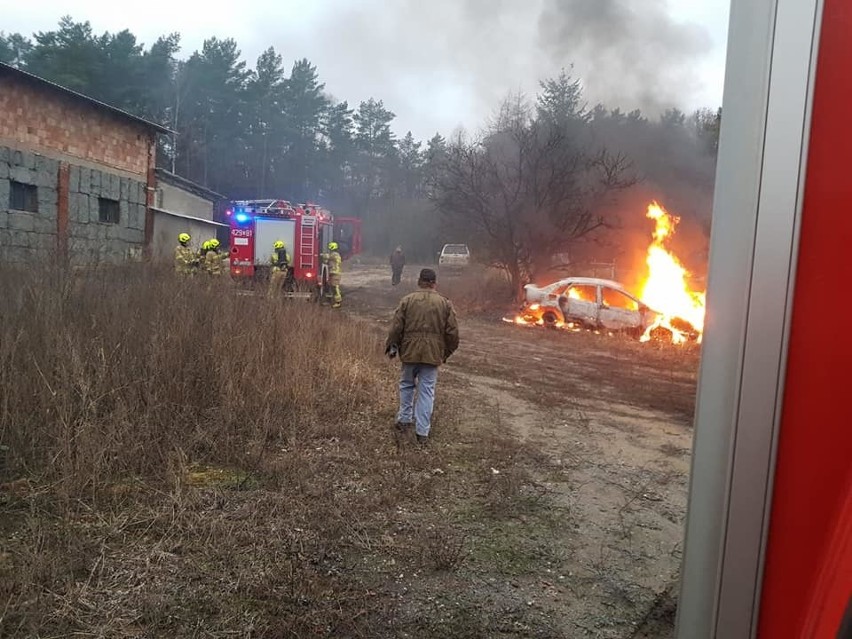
(561, 101)
(304, 109)
(265, 99)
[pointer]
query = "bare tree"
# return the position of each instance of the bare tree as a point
(525, 189)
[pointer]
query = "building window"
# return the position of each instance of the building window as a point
(108, 211)
(23, 197)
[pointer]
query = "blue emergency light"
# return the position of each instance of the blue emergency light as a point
(241, 217)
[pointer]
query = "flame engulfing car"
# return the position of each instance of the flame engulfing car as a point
(588, 302)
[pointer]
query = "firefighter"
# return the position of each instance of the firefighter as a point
(335, 270)
(280, 262)
(213, 259)
(185, 257)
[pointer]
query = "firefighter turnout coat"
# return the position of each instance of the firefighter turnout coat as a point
(335, 263)
(185, 259)
(279, 260)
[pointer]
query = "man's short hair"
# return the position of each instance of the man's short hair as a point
(428, 276)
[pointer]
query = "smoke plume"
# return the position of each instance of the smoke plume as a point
(445, 63)
(628, 53)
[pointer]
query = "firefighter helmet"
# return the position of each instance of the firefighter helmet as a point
(332, 246)
(214, 243)
(184, 238)
(279, 244)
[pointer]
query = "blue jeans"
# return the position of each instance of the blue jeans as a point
(423, 378)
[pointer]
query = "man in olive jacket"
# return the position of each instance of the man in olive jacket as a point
(425, 332)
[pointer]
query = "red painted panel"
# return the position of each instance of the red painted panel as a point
(807, 581)
(62, 204)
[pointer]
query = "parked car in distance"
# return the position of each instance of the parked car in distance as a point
(454, 256)
(589, 302)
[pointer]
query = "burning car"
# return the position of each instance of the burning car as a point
(587, 302)
(666, 308)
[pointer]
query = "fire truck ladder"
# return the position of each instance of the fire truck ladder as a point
(267, 207)
(307, 243)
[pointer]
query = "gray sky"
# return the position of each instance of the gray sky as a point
(440, 64)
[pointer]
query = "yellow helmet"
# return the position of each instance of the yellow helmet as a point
(214, 243)
(279, 244)
(184, 238)
(205, 245)
(332, 246)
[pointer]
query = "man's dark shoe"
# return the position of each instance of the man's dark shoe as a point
(422, 439)
(403, 427)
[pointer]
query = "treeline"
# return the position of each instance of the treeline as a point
(269, 132)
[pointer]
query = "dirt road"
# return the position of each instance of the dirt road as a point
(604, 424)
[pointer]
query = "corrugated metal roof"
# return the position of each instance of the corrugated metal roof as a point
(29, 77)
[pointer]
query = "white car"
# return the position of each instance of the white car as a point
(454, 256)
(586, 301)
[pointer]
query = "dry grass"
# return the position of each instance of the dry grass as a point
(477, 290)
(177, 459)
(122, 373)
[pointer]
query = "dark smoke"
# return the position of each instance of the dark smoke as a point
(444, 63)
(450, 62)
(628, 53)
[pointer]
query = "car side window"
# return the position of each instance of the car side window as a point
(582, 293)
(617, 299)
(559, 290)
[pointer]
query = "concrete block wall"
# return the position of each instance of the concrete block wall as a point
(26, 236)
(93, 241)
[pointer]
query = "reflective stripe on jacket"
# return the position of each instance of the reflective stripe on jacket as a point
(279, 259)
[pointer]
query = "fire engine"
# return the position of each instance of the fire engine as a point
(306, 229)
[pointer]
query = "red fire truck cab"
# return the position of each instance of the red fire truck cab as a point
(305, 229)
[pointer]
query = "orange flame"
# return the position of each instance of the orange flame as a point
(666, 290)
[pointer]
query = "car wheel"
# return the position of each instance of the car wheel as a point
(550, 319)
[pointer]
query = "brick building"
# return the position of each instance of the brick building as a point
(76, 175)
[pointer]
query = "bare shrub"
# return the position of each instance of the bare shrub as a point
(443, 548)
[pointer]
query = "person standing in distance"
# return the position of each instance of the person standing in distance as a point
(397, 262)
(424, 332)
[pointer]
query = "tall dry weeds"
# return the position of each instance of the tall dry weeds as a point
(477, 290)
(111, 373)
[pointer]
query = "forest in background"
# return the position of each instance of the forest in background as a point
(270, 131)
